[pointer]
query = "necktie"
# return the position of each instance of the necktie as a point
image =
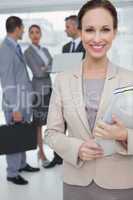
(73, 46)
(19, 50)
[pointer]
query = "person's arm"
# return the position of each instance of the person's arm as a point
(8, 80)
(9, 86)
(30, 61)
(66, 147)
(48, 68)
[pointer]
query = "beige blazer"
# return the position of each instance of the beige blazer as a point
(67, 104)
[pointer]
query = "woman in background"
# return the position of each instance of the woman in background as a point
(40, 62)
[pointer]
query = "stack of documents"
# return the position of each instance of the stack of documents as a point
(121, 105)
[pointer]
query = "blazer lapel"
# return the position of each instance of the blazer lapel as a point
(77, 95)
(68, 47)
(111, 83)
(21, 57)
(79, 47)
(36, 56)
(76, 85)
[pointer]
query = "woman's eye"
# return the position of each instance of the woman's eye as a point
(89, 30)
(106, 30)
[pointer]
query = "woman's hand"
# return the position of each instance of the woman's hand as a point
(89, 150)
(116, 131)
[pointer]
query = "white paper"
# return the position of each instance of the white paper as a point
(121, 105)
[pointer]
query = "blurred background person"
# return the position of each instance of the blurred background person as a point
(72, 31)
(14, 76)
(40, 62)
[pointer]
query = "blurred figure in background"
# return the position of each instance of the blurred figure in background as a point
(72, 31)
(40, 62)
(15, 83)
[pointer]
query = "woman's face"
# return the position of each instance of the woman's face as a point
(97, 32)
(35, 35)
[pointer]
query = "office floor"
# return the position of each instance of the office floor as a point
(46, 184)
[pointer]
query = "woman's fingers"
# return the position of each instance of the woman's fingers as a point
(100, 132)
(103, 125)
(87, 153)
(95, 148)
(91, 151)
(86, 156)
(115, 131)
(117, 120)
(92, 144)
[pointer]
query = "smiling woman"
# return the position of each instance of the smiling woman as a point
(98, 29)
(97, 35)
(88, 172)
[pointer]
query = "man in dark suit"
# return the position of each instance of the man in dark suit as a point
(72, 31)
(74, 46)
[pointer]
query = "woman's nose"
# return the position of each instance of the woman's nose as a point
(97, 37)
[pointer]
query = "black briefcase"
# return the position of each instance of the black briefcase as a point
(17, 138)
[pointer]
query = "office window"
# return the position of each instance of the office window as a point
(52, 24)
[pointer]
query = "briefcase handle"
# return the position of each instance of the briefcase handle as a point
(18, 123)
